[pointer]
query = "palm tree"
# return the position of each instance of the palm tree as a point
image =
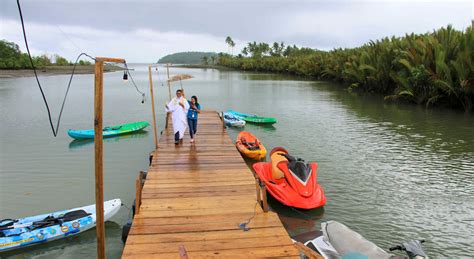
(230, 43)
(204, 60)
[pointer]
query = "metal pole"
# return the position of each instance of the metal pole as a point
(98, 142)
(153, 106)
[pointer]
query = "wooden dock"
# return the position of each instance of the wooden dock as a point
(194, 198)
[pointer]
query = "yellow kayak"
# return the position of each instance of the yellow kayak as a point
(249, 146)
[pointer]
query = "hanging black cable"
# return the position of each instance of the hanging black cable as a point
(125, 77)
(67, 90)
(34, 69)
(55, 130)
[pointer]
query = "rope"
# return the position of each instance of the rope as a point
(129, 210)
(243, 225)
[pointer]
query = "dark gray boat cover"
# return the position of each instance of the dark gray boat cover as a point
(346, 241)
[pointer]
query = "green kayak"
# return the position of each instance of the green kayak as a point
(109, 131)
(260, 120)
(253, 118)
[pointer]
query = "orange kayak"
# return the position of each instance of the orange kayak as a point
(250, 146)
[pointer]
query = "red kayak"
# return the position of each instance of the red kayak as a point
(290, 180)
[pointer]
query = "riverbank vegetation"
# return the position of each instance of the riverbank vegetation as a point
(12, 58)
(190, 57)
(431, 69)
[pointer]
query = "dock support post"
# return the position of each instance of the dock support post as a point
(264, 197)
(153, 106)
(261, 194)
(138, 193)
(98, 153)
(99, 177)
(223, 121)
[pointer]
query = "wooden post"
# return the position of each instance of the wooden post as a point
(99, 177)
(98, 144)
(138, 194)
(259, 196)
(169, 83)
(264, 197)
(153, 106)
(183, 254)
(223, 121)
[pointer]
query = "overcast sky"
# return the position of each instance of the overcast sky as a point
(144, 31)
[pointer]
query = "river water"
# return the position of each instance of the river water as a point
(392, 172)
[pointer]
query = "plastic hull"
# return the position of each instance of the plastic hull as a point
(54, 232)
(109, 131)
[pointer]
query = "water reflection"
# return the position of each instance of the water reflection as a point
(390, 171)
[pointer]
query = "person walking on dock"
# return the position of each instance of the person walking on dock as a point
(193, 111)
(178, 107)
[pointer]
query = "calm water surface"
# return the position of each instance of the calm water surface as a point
(392, 172)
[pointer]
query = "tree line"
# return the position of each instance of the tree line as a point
(189, 57)
(432, 69)
(12, 58)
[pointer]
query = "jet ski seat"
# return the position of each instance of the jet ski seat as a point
(277, 158)
(346, 241)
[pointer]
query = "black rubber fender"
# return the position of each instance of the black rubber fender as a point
(125, 230)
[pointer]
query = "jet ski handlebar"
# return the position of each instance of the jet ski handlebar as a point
(412, 248)
(402, 247)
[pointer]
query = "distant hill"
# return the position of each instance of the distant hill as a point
(191, 57)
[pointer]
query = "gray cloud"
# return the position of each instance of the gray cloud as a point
(204, 24)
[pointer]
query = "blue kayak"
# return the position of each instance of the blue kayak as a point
(109, 131)
(18, 233)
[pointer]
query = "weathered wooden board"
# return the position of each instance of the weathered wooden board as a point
(196, 195)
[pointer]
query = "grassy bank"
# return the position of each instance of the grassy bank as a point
(54, 70)
(431, 69)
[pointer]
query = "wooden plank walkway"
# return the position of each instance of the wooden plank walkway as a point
(196, 195)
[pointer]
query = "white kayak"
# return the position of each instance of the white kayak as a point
(233, 121)
(18, 233)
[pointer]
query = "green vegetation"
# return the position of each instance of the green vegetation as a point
(191, 57)
(12, 58)
(431, 69)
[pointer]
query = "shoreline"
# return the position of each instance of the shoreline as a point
(203, 66)
(54, 70)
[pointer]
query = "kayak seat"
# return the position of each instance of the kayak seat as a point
(250, 145)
